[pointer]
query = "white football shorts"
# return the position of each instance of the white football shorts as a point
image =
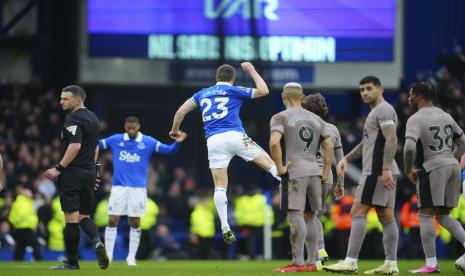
(130, 201)
(222, 147)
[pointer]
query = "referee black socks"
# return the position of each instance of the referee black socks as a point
(88, 226)
(71, 235)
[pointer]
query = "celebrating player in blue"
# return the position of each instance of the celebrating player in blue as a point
(131, 153)
(220, 105)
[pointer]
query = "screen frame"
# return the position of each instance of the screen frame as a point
(144, 71)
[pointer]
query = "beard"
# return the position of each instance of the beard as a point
(413, 107)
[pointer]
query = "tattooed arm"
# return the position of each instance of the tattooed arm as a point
(390, 146)
(338, 155)
(388, 128)
(409, 159)
(409, 155)
(355, 153)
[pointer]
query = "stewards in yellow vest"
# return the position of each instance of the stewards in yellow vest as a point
(56, 226)
(203, 220)
(150, 218)
(374, 231)
(459, 211)
(373, 222)
(23, 218)
(202, 229)
(147, 222)
(101, 214)
(250, 212)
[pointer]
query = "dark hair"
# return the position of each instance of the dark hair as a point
(76, 90)
(316, 103)
(131, 120)
(372, 79)
(425, 90)
(225, 73)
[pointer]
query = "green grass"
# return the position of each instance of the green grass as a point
(186, 268)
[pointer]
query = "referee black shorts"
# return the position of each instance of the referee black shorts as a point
(76, 189)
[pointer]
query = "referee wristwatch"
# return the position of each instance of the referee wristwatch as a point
(59, 167)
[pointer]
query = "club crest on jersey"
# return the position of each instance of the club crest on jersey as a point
(141, 145)
(121, 144)
(72, 129)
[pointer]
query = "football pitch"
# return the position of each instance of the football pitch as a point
(185, 268)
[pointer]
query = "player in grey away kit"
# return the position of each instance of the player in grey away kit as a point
(432, 165)
(303, 132)
(316, 103)
(377, 187)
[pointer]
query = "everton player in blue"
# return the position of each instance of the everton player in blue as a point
(220, 105)
(131, 153)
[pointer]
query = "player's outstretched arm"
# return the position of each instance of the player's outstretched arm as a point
(171, 148)
(355, 153)
(261, 89)
(185, 108)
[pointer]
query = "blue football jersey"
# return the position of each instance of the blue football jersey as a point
(220, 105)
(131, 157)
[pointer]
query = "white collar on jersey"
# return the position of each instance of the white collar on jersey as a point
(223, 83)
(138, 138)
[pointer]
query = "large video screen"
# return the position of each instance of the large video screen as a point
(324, 31)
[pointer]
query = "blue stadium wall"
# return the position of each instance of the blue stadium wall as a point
(429, 26)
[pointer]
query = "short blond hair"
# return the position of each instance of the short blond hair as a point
(293, 90)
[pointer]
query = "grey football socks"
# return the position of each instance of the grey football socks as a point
(390, 239)
(321, 237)
(357, 235)
(428, 235)
(311, 239)
(453, 226)
(298, 231)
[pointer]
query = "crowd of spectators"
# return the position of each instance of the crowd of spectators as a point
(30, 125)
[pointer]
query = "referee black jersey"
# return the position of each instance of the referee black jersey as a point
(81, 126)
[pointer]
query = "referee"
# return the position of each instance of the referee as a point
(76, 175)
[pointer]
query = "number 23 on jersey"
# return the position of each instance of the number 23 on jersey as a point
(219, 105)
